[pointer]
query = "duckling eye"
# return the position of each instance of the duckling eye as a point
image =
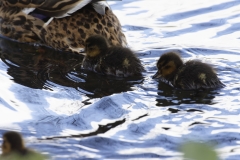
(91, 47)
(167, 67)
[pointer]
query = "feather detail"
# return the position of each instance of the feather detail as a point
(100, 7)
(28, 10)
(47, 23)
(23, 4)
(62, 8)
(77, 7)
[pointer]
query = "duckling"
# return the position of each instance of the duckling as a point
(60, 24)
(110, 60)
(13, 148)
(190, 75)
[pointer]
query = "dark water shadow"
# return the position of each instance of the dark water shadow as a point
(40, 67)
(167, 96)
(30, 64)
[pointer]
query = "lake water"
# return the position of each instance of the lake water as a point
(67, 113)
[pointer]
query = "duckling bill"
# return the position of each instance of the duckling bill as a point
(110, 60)
(190, 75)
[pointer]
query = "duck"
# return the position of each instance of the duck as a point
(13, 147)
(193, 74)
(105, 59)
(60, 24)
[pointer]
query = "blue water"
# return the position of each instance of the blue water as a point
(67, 113)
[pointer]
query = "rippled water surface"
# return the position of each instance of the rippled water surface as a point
(68, 113)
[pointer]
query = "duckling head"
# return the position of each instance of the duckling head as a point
(95, 45)
(168, 65)
(12, 141)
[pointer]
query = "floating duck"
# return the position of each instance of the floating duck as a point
(61, 24)
(103, 58)
(190, 75)
(13, 148)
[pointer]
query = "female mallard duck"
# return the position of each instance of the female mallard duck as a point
(110, 60)
(13, 148)
(190, 75)
(61, 24)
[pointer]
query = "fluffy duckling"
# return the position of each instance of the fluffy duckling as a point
(60, 24)
(13, 148)
(110, 60)
(190, 75)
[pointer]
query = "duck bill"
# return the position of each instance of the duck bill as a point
(156, 75)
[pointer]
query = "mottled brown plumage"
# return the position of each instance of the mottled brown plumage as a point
(61, 24)
(190, 75)
(103, 58)
(17, 25)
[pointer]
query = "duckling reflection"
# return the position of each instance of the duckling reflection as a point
(190, 75)
(40, 67)
(110, 60)
(168, 96)
(13, 148)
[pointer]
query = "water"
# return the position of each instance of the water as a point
(69, 113)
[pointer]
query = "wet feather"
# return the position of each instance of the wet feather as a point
(190, 75)
(103, 58)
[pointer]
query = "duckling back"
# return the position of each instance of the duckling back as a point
(121, 62)
(116, 61)
(195, 75)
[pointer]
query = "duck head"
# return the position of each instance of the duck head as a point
(12, 141)
(168, 65)
(95, 45)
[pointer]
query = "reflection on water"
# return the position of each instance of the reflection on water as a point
(37, 66)
(167, 96)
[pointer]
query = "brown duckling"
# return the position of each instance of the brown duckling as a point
(110, 60)
(190, 75)
(13, 148)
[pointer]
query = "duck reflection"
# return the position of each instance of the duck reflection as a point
(40, 67)
(168, 95)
